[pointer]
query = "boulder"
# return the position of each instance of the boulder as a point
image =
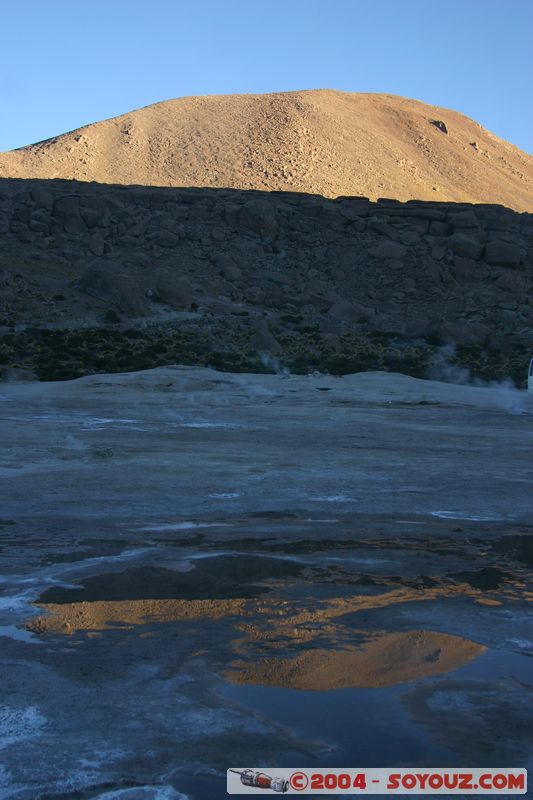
(463, 219)
(464, 269)
(231, 214)
(381, 226)
(227, 266)
(416, 327)
(174, 290)
(40, 221)
(260, 217)
(458, 332)
(465, 246)
(38, 226)
(95, 211)
(276, 277)
(66, 211)
(117, 290)
(138, 259)
(438, 228)
(254, 294)
(410, 237)
(246, 251)
(42, 198)
(232, 272)
(513, 281)
(344, 311)
(22, 214)
(65, 203)
(140, 226)
(502, 254)
(91, 216)
(438, 252)
(166, 239)
(264, 340)
(438, 123)
(353, 208)
(499, 341)
(388, 250)
(97, 244)
(417, 209)
(73, 222)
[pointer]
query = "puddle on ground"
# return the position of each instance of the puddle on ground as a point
(286, 650)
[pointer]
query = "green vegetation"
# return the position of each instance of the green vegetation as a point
(352, 353)
(65, 354)
(494, 365)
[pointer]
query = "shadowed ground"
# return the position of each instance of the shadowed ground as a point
(203, 569)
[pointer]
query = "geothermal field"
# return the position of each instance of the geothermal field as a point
(203, 568)
(267, 446)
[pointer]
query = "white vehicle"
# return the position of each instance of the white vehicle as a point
(530, 377)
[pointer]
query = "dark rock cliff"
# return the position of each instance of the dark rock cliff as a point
(226, 276)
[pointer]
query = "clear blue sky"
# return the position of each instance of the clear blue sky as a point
(65, 63)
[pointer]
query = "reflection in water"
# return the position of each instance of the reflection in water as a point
(285, 636)
(386, 660)
(259, 618)
(100, 615)
(309, 645)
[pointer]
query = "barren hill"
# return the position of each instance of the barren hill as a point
(321, 142)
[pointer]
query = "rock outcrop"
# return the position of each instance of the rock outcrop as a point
(77, 255)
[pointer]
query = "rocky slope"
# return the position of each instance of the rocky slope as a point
(322, 142)
(97, 278)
